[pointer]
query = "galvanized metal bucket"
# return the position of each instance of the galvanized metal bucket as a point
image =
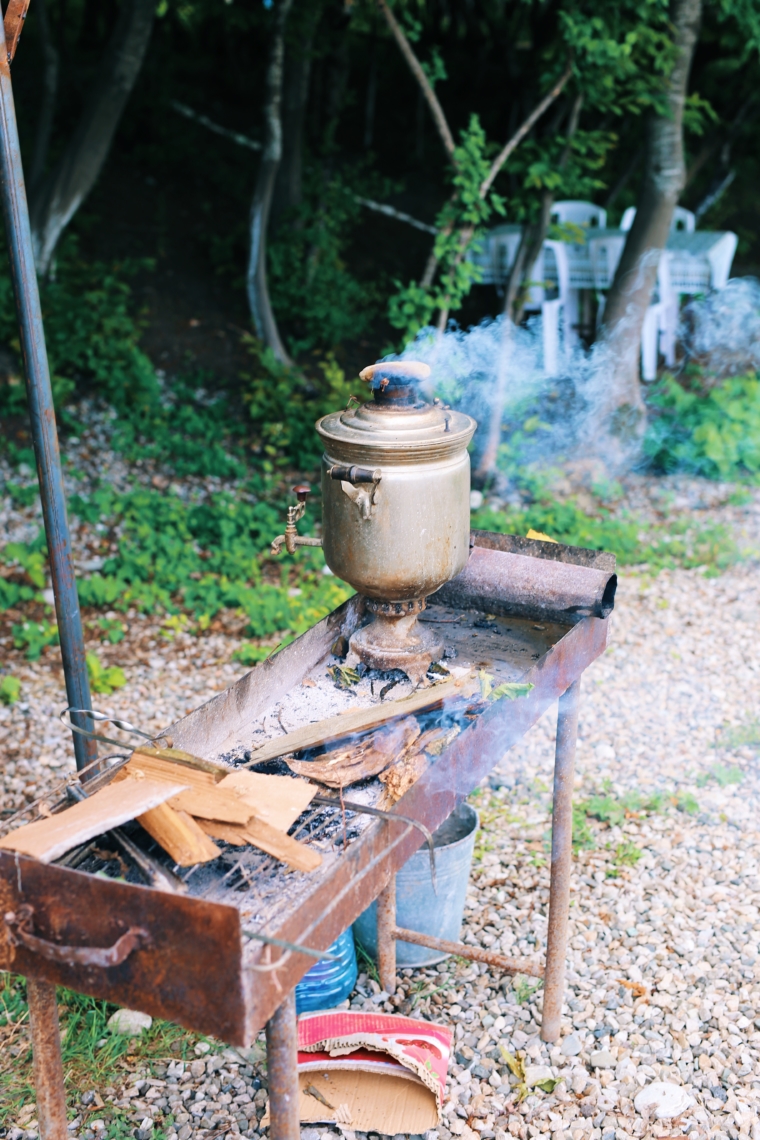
(418, 906)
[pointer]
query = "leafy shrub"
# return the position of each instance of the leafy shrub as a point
(714, 433)
(91, 332)
(104, 678)
(10, 690)
(34, 636)
(284, 406)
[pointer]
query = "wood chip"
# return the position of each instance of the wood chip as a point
(204, 796)
(361, 761)
(259, 834)
(48, 839)
(400, 777)
(179, 835)
(360, 720)
(277, 800)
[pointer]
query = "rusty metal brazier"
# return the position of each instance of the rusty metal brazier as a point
(395, 511)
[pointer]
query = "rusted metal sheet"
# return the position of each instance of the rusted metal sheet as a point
(48, 1067)
(551, 551)
(39, 395)
(218, 725)
(365, 869)
(562, 861)
(522, 586)
(282, 1071)
(185, 958)
(474, 953)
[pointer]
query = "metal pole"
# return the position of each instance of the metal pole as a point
(41, 412)
(474, 953)
(386, 942)
(282, 1071)
(46, 1052)
(562, 854)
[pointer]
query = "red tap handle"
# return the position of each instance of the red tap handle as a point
(302, 492)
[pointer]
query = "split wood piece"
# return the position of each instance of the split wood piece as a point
(400, 777)
(203, 796)
(277, 800)
(336, 728)
(179, 835)
(164, 762)
(362, 760)
(47, 839)
(474, 953)
(259, 834)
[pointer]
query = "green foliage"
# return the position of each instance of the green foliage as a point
(525, 988)
(686, 802)
(724, 776)
(93, 1057)
(680, 542)
(284, 405)
(583, 836)
(460, 221)
(740, 735)
(320, 302)
(34, 636)
(91, 333)
(104, 679)
(714, 433)
(10, 689)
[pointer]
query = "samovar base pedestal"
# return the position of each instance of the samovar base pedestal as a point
(396, 639)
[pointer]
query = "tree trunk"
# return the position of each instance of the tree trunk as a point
(663, 181)
(258, 289)
(62, 193)
(50, 73)
(289, 184)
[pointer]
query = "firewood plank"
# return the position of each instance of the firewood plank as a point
(360, 720)
(277, 800)
(179, 835)
(47, 839)
(259, 834)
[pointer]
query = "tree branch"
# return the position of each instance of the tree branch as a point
(225, 132)
(416, 69)
(522, 131)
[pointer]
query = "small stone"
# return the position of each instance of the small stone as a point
(667, 1100)
(536, 1074)
(129, 1021)
(602, 1060)
(198, 1068)
(571, 1046)
(185, 1132)
(97, 1125)
(201, 1048)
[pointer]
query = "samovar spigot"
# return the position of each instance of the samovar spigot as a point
(291, 538)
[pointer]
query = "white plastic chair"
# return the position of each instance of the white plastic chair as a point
(720, 258)
(605, 254)
(658, 333)
(580, 214)
(683, 220)
(550, 309)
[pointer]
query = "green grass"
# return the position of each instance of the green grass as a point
(681, 542)
(93, 1057)
(722, 775)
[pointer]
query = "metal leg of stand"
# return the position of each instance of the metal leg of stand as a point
(562, 854)
(48, 1066)
(386, 940)
(282, 1071)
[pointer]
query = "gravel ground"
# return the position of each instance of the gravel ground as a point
(663, 968)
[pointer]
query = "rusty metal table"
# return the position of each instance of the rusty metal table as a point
(188, 959)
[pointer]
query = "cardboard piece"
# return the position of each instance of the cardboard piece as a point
(47, 839)
(372, 1071)
(277, 800)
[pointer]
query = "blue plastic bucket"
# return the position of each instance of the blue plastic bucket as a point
(418, 907)
(329, 983)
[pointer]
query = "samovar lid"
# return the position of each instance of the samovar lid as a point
(397, 414)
